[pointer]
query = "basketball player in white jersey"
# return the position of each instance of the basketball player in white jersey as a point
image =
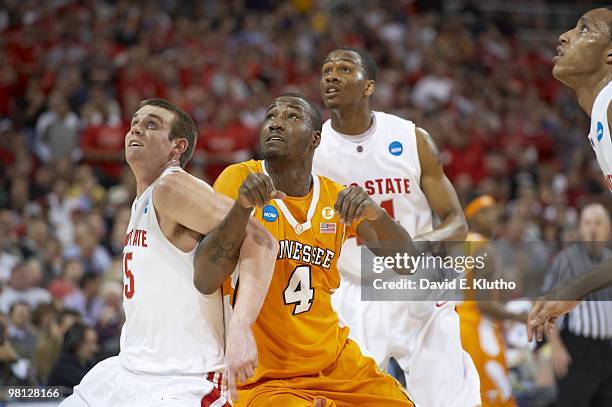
(584, 63)
(172, 342)
(398, 164)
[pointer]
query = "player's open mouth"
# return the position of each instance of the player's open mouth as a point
(559, 54)
(134, 143)
(331, 90)
(274, 139)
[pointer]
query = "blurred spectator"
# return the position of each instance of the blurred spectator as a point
(49, 340)
(86, 299)
(94, 257)
(57, 131)
(78, 350)
(20, 287)
(23, 339)
(8, 356)
(10, 255)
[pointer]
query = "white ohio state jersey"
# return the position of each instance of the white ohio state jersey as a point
(599, 136)
(170, 327)
(384, 161)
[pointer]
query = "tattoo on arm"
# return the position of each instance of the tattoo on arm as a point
(217, 248)
(220, 249)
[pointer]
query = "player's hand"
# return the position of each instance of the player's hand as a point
(544, 314)
(354, 203)
(240, 356)
(257, 190)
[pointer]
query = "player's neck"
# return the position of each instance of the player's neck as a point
(351, 120)
(290, 177)
(147, 176)
(589, 88)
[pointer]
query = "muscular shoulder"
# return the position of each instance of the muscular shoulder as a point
(178, 184)
(429, 155)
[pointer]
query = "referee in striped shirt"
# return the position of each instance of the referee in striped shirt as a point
(582, 348)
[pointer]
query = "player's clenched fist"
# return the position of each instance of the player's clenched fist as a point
(354, 203)
(257, 190)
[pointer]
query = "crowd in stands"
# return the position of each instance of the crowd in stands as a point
(73, 73)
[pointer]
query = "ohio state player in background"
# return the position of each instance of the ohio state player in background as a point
(399, 165)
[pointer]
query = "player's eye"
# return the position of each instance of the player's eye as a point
(269, 116)
(584, 28)
(346, 70)
(293, 116)
(151, 125)
(326, 71)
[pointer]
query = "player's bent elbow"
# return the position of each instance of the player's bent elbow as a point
(203, 282)
(204, 285)
(462, 230)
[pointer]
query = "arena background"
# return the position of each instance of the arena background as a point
(475, 74)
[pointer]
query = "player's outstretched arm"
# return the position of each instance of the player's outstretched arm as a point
(440, 194)
(375, 225)
(559, 302)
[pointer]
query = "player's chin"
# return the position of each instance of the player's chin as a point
(330, 103)
(274, 153)
(559, 70)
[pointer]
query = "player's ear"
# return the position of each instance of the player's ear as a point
(370, 86)
(316, 139)
(180, 145)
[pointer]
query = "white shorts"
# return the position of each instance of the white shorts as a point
(424, 338)
(109, 384)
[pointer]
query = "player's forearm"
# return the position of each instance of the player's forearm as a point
(390, 236)
(452, 228)
(218, 253)
(257, 260)
(598, 278)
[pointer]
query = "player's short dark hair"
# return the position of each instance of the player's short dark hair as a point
(181, 127)
(367, 61)
(315, 114)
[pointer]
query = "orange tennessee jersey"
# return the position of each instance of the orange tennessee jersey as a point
(482, 338)
(297, 331)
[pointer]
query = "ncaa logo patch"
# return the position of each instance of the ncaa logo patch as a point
(599, 131)
(396, 148)
(269, 213)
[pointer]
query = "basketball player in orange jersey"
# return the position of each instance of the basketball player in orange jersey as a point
(584, 63)
(305, 357)
(481, 333)
(399, 165)
(172, 342)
